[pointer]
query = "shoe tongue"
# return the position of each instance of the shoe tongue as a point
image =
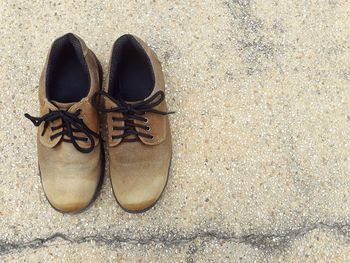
(62, 105)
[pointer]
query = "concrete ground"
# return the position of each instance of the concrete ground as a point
(261, 166)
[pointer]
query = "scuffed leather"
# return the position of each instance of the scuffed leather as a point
(69, 177)
(139, 170)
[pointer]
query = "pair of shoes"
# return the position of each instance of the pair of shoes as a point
(69, 143)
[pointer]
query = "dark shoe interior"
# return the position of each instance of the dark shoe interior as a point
(67, 78)
(131, 76)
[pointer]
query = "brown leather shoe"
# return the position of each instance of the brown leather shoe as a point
(139, 136)
(70, 151)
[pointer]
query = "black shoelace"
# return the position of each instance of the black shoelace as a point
(71, 123)
(130, 113)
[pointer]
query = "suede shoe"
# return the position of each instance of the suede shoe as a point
(138, 132)
(70, 154)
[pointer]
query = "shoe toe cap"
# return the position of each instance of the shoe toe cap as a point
(69, 178)
(69, 195)
(137, 191)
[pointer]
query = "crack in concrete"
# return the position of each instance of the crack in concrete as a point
(262, 241)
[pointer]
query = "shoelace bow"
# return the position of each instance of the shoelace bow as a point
(71, 123)
(130, 113)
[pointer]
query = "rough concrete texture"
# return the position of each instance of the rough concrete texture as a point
(260, 168)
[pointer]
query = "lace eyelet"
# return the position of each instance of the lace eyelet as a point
(146, 120)
(148, 128)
